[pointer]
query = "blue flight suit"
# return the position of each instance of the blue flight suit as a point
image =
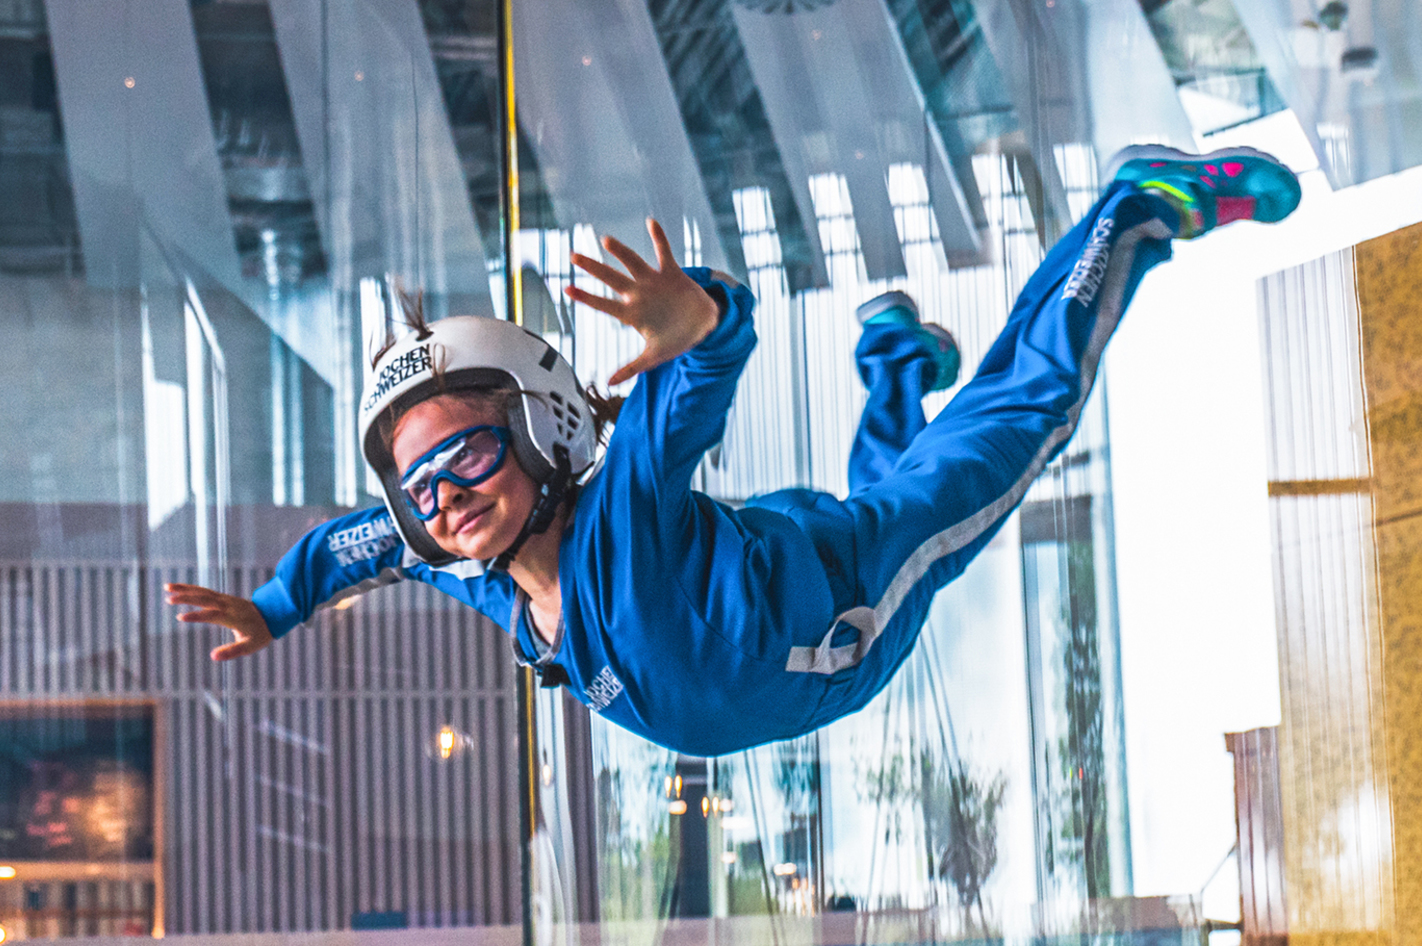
(708, 629)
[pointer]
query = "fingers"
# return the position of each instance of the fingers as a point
(627, 257)
(612, 307)
(613, 279)
(666, 259)
(178, 593)
(205, 600)
(214, 607)
(236, 649)
(205, 616)
(636, 366)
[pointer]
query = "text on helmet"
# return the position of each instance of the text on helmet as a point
(400, 369)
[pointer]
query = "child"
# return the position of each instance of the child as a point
(702, 628)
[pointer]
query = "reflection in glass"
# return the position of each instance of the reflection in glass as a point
(1218, 72)
(203, 211)
(208, 209)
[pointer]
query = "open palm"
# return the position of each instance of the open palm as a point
(240, 616)
(668, 308)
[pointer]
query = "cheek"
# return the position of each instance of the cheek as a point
(513, 486)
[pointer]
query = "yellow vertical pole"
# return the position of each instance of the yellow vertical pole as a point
(525, 686)
(508, 100)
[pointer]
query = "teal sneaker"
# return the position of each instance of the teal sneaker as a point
(1211, 190)
(898, 308)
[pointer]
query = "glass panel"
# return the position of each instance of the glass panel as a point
(999, 787)
(1220, 77)
(208, 209)
(211, 215)
(917, 815)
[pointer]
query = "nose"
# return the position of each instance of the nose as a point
(449, 494)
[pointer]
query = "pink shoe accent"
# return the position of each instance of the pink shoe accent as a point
(1212, 169)
(1233, 168)
(1207, 182)
(1157, 164)
(1230, 209)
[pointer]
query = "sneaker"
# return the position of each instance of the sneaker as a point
(898, 308)
(1211, 190)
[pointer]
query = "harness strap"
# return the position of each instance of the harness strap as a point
(550, 496)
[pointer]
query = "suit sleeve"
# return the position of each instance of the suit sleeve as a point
(348, 555)
(677, 411)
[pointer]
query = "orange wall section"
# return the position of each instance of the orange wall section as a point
(1341, 341)
(1389, 284)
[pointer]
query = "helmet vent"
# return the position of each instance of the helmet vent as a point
(557, 398)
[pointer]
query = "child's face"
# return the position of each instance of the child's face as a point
(477, 521)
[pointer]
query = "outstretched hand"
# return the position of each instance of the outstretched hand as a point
(668, 308)
(236, 614)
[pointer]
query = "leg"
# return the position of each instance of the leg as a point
(905, 537)
(897, 542)
(898, 371)
(899, 361)
(917, 528)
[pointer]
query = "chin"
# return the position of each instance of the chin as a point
(479, 549)
(469, 554)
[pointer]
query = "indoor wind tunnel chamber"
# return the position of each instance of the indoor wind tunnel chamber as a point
(199, 239)
(968, 802)
(824, 152)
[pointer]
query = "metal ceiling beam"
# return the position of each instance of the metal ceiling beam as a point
(841, 99)
(602, 117)
(1132, 95)
(139, 137)
(389, 192)
(1363, 120)
(1047, 88)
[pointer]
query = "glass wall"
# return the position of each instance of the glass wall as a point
(824, 156)
(205, 205)
(824, 153)
(209, 210)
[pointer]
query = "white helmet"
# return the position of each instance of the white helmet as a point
(553, 436)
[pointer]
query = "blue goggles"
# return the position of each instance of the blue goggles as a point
(466, 459)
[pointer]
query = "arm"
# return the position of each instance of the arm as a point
(699, 334)
(666, 305)
(348, 555)
(678, 410)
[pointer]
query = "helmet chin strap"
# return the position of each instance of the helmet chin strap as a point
(550, 497)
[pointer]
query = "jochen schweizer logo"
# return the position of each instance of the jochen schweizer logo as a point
(603, 690)
(364, 541)
(1090, 269)
(398, 371)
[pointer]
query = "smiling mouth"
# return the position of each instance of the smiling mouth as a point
(467, 521)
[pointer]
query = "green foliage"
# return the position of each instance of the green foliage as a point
(746, 892)
(1081, 751)
(797, 773)
(634, 868)
(891, 789)
(960, 812)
